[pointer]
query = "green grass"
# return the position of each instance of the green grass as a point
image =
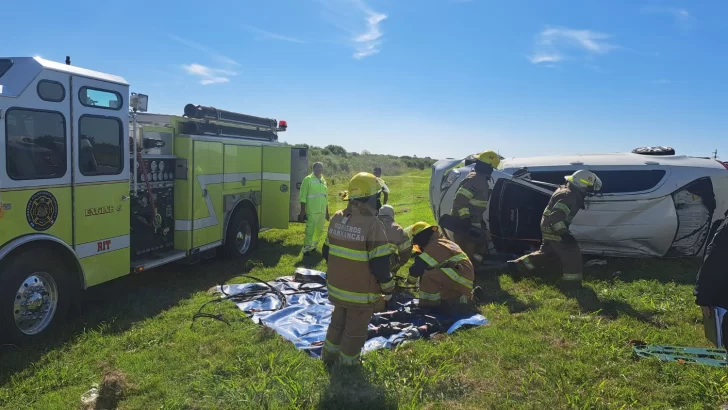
(542, 349)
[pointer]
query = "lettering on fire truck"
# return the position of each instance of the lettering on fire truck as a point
(99, 211)
(103, 245)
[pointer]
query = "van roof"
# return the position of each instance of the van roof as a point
(610, 159)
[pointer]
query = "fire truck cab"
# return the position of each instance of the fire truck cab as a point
(93, 188)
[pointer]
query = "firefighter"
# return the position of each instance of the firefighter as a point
(469, 205)
(314, 200)
(400, 245)
(385, 189)
(357, 253)
(711, 288)
(557, 242)
(446, 274)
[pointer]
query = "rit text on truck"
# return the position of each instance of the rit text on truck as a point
(92, 187)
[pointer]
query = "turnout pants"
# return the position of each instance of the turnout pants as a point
(315, 225)
(471, 248)
(551, 256)
(346, 335)
(436, 287)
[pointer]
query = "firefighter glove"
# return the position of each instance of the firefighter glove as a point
(568, 239)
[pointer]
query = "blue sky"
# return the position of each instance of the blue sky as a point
(439, 78)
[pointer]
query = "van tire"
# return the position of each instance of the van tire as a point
(654, 151)
(53, 292)
(242, 234)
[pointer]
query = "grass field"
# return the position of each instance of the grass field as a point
(541, 350)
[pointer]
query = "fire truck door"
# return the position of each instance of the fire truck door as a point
(101, 178)
(35, 161)
(276, 193)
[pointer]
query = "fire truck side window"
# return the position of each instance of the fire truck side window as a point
(99, 145)
(35, 144)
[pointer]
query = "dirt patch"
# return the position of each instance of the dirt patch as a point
(557, 342)
(114, 385)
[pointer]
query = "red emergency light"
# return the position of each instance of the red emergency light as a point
(282, 125)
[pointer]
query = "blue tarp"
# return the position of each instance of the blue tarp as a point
(306, 317)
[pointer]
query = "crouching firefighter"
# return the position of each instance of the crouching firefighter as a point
(357, 253)
(445, 272)
(558, 245)
(471, 201)
(400, 244)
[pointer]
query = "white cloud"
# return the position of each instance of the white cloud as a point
(267, 35)
(361, 23)
(683, 19)
(545, 58)
(212, 53)
(587, 40)
(208, 75)
(555, 44)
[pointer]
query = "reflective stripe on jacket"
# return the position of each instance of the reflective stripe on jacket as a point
(471, 199)
(314, 193)
(560, 212)
(358, 257)
(442, 254)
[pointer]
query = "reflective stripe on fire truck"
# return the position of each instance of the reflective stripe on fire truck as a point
(205, 180)
(94, 248)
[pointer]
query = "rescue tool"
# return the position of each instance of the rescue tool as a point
(94, 187)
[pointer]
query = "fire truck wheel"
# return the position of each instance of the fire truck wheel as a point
(34, 296)
(242, 234)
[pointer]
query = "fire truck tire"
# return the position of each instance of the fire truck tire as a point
(242, 234)
(35, 295)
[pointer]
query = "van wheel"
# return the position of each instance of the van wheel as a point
(242, 234)
(35, 295)
(654, 151)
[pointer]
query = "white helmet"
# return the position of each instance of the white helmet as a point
(386, 210)
(584, 181)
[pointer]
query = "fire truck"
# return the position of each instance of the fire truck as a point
(92, 187)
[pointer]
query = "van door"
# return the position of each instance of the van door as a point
(514, 213)
(101, 178)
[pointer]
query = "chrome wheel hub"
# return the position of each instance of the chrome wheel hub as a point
(35, 303)
(243, 237)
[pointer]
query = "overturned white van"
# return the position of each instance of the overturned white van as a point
(650, 205)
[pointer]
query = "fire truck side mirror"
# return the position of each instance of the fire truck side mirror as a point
(139, 102)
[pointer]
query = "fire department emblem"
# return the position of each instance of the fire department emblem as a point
(42, 210)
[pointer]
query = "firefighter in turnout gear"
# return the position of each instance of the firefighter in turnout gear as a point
(314, 199)
(400, 244)
(558, 245)
(469, 205)
(357, 253)
(446, 274)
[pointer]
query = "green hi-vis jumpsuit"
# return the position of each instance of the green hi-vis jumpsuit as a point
(563, 206)
(314, 193)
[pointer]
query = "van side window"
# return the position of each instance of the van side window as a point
(94, 97)
(35, 144)
(100, 145)
(52, 91)
(613, 182)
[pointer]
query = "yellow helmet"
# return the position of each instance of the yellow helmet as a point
(363, 185)
(416, 228)
(490, 158)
